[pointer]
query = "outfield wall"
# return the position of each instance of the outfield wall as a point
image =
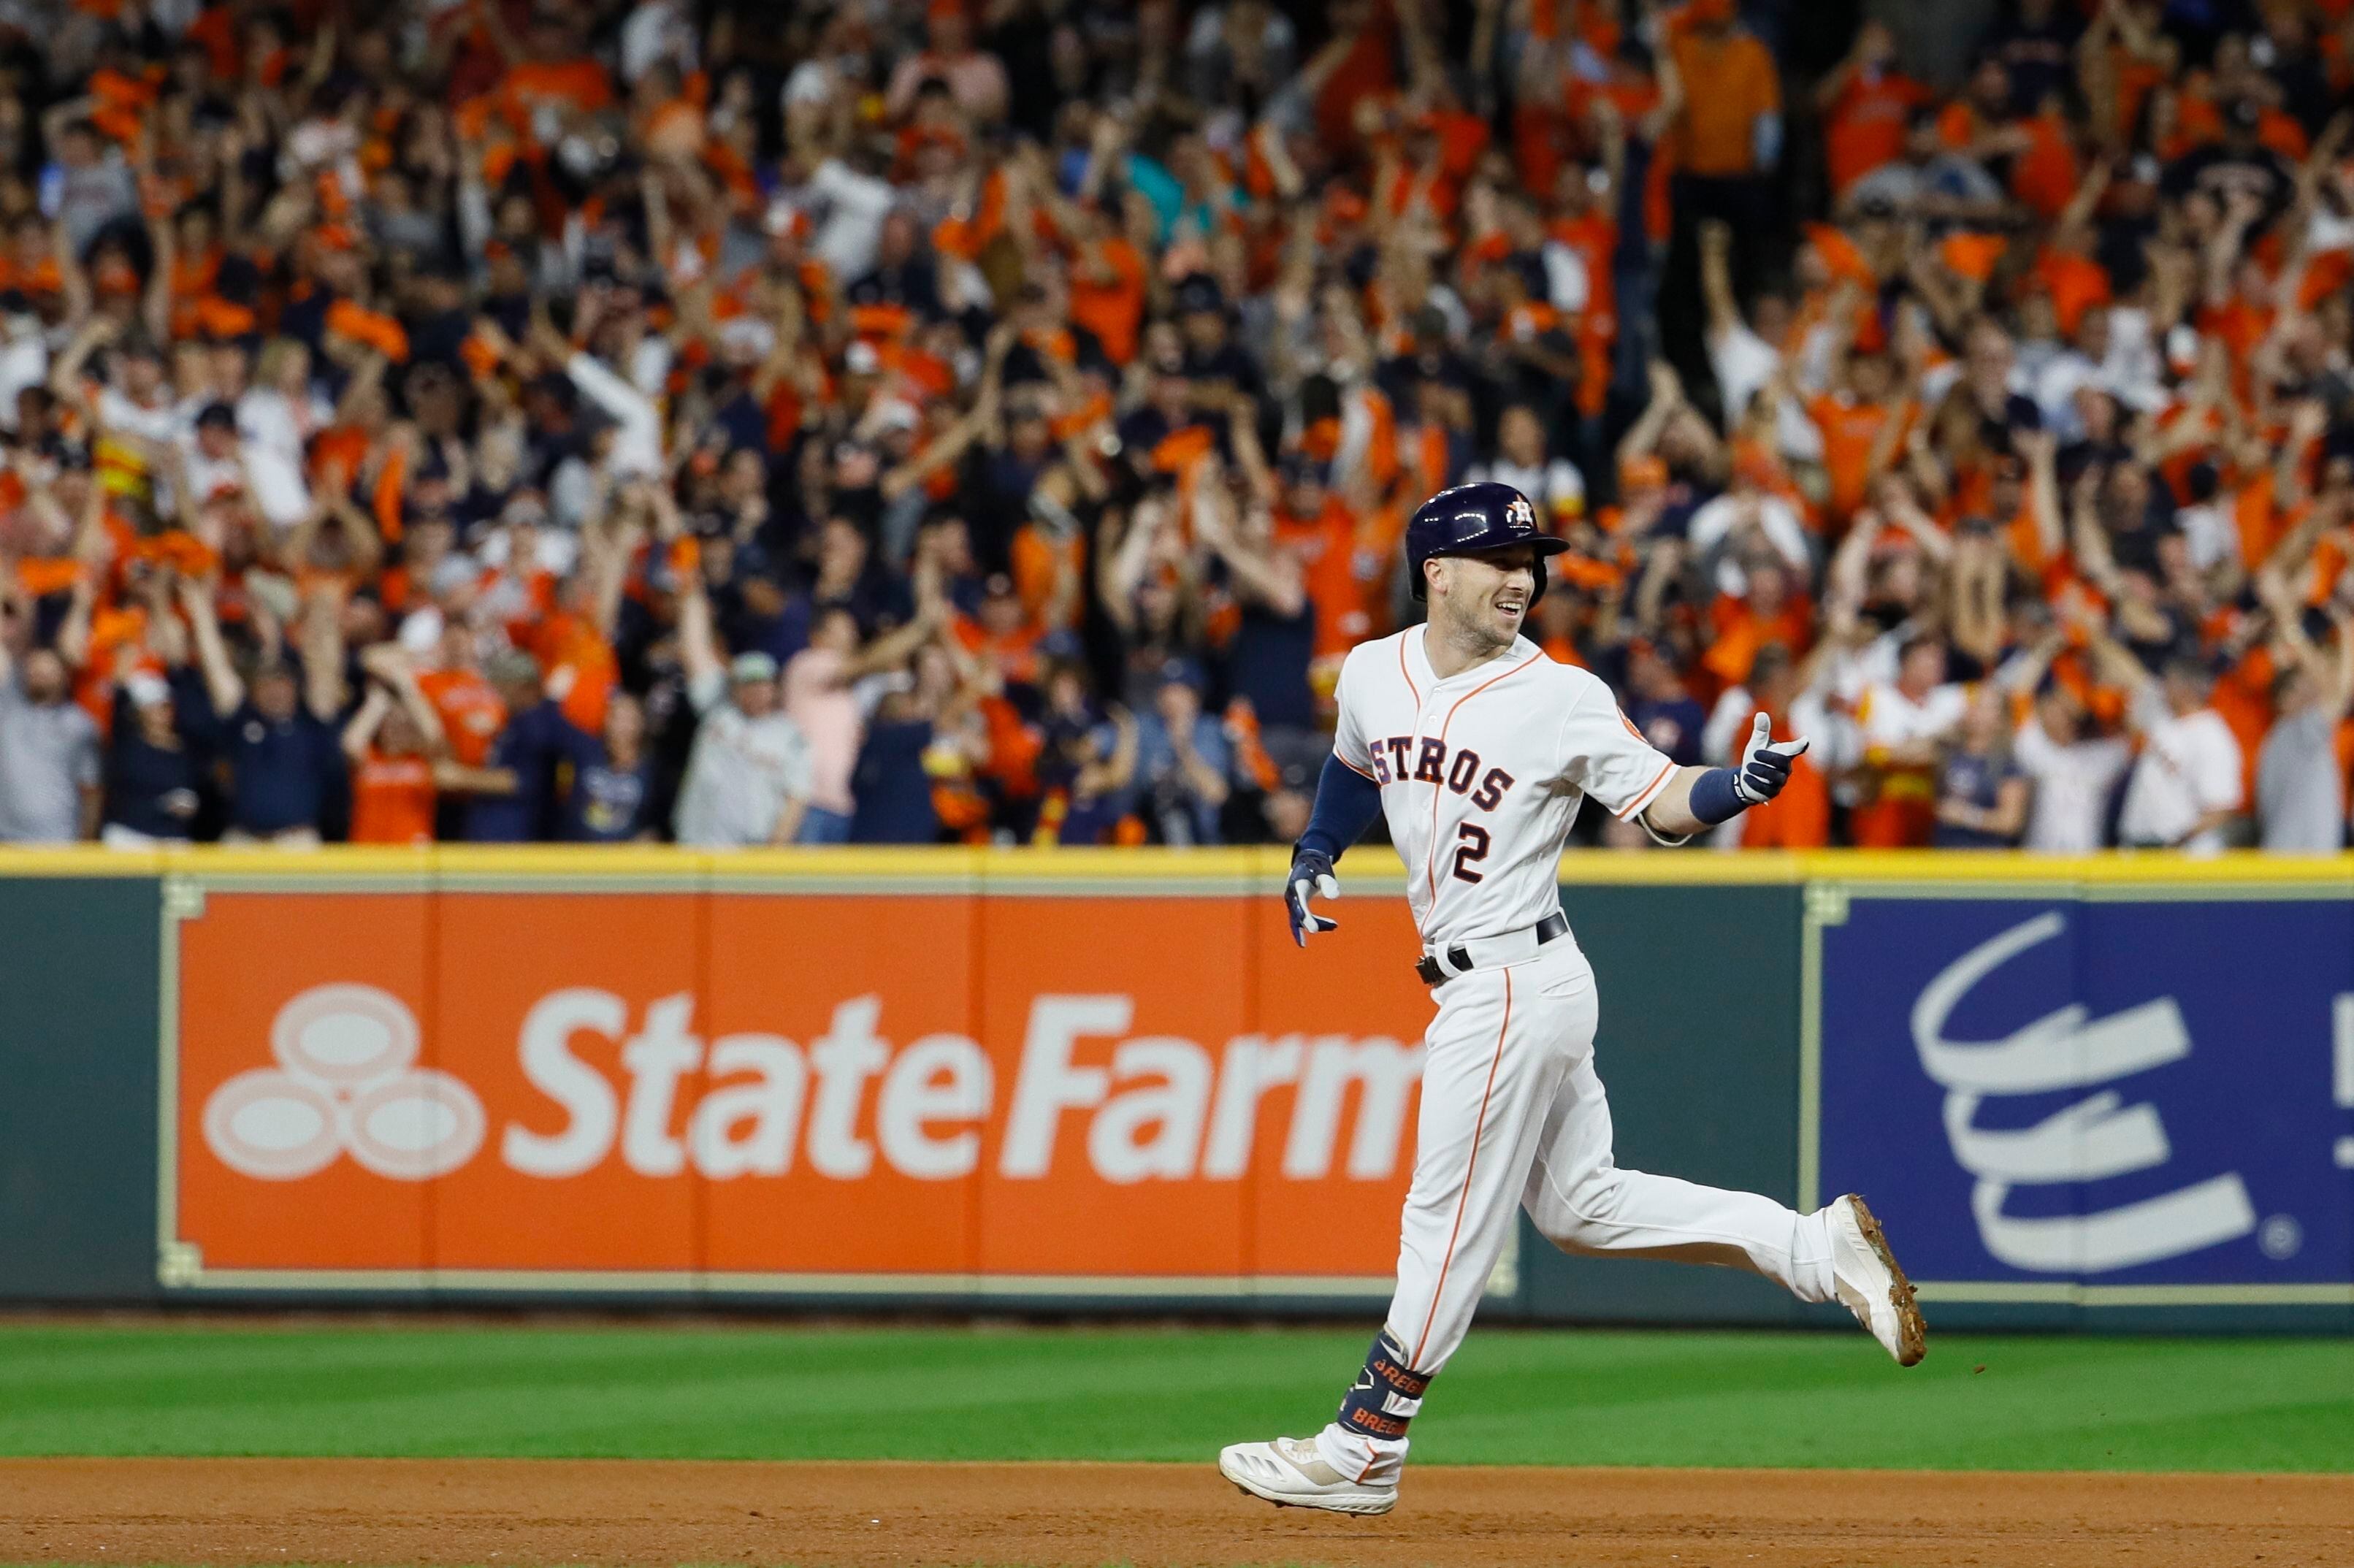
(2108, 1094)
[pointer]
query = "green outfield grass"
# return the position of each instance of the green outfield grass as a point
(1517, 1397)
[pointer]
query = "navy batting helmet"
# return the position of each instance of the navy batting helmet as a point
(1471, 517)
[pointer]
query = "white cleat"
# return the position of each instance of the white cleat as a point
(1868, 1280)
(1290, 1473)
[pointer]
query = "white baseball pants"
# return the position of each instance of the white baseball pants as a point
(1513, 1116)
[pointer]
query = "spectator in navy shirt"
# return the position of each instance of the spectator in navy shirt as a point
(514, 801)
(153, 778)
(892, 790)
(612, 797)
(1274, 635)
(1087, 762)
(1661, 707)
(1982, 795)
(1183, 765)
(277, 732)
(893, 781)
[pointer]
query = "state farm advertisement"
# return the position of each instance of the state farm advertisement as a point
(803, 1089)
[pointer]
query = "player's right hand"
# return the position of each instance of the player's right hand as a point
(1310, 877)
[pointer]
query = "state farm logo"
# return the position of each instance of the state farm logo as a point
(603, 1082)
(346, 1083)
(850, 1102)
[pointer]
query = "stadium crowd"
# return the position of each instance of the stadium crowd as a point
(880, 421)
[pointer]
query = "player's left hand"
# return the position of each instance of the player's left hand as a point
(1310, 877)
(1765, 765)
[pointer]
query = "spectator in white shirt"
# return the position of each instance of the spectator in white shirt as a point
(1904, 722)
(282, 411)
(2073, 771)
(1552, 483)
(1744, 516)
(750, 775)
(24, 361)
(2039, 348)
(2074, 774)
(217, 458)
(1742, 358)
(2300, 790)
(855, 201)
(2210, 535)
(2062, 370)
(659, 30)
(90, 184)
(635, 449)
(2187, 785)
(135, 399)
(50, 748)
(2132, 370)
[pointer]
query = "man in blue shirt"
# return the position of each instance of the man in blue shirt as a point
(1662, 708)
(1183, 764)
(154, 777)
(278, 731)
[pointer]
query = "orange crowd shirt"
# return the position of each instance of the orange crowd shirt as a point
(1111, 307)
(472, 713)
(1865, 128)
(1849, 429)
(1326, 545)
(1729, 82)
(392, 800)
(580, 84)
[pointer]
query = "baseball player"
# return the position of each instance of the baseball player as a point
(1478, 750)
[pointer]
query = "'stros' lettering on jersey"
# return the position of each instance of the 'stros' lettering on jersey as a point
(1405, 759)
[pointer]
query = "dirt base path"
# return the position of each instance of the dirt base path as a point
(502, 1512)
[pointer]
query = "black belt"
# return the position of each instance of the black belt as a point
(1553, 924)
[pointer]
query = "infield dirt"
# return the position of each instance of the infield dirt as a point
(527, 1511)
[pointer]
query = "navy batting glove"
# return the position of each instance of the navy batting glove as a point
(1310, 877)
(1765, 765)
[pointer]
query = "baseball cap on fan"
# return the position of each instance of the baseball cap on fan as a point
(1299, 468)
(1178, 671)
(745, 340)
(751, 669)
(512, 667)
(1200, 294)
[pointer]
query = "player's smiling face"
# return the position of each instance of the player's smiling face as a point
(1488, 592)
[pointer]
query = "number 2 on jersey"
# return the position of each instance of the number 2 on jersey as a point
(1474, 847)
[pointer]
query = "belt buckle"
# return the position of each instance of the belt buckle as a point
(1434, 973)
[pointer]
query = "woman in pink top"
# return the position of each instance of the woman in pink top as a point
(821, 697)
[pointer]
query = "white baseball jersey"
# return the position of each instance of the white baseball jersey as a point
(1481, 775)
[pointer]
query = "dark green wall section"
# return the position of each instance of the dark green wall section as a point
(1698, 1048)
(77, 1063)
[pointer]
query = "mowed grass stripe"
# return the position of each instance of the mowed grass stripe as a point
(1528, 1397)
